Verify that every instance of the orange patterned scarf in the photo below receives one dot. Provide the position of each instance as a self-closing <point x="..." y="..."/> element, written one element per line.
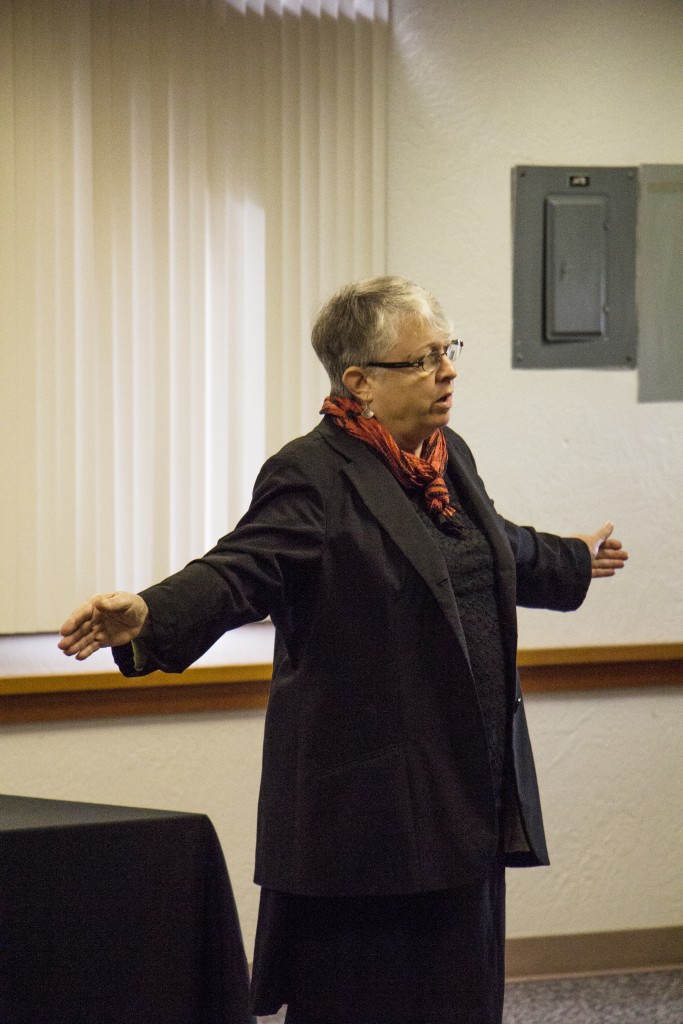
<point x="419" y="473"/>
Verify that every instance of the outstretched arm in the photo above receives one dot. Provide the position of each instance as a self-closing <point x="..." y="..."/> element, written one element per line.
<point x="106" y="620"/>
<point x="607" y="554"/>
<point x="258" y="569"/>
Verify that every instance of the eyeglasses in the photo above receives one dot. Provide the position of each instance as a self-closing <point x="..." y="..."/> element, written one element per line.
<point x="430" y="361"/>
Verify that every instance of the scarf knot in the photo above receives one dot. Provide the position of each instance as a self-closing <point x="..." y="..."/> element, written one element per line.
<point x="423" y="472"/>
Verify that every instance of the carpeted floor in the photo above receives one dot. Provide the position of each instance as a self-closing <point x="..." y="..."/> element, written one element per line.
<point x="652" y="997"/>
<point x="648" y="997"/>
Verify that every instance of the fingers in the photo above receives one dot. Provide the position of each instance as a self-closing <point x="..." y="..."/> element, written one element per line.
<point x="604" y="532"/>
<point x="113" y="602"/>
<point x="607" y="553"/>
<point x="77" y="619"/>
<point x="106" y="620"/>
<point x="89" y="648"/>
<point x="611" y="554"/>
<point x="598" y="540"/>
<point x="79" y="632"/>
<point x="81" y="642"/>
<point x="610" y="557"/>
<point x="615" y="561"/>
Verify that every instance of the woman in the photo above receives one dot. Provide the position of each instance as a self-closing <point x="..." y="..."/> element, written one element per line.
<point x="398" y="778"/>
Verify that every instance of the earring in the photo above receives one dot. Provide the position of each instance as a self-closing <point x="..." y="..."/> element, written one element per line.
<point x="367" y="412"/>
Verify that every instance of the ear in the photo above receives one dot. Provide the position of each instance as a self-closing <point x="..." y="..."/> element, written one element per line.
<point x="357" y="382"/>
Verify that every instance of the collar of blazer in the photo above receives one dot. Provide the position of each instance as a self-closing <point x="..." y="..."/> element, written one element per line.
<point x="387" y="502"/>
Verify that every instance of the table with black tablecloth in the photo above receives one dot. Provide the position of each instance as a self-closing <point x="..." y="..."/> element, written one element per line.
<point x="115" y="915"/>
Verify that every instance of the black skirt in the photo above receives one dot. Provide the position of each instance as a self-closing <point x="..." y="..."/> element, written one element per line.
<point x="426" y="958"/>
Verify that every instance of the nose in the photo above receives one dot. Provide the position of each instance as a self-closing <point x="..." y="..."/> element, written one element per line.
<point x="446" y="369"/>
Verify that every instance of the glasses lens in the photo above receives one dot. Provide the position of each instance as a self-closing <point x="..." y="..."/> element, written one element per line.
<point x="433" y="359"/>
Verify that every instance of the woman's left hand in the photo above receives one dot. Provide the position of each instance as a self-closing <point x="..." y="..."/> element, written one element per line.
<point x="607" y="554"/>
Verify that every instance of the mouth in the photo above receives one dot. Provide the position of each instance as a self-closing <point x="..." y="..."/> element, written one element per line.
<point x="445" y="400"/>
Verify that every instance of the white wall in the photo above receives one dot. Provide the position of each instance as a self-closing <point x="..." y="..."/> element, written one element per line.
<point x="477" y="87"/>
<point x="206" y="763"/>
<point x="609" y="764"/>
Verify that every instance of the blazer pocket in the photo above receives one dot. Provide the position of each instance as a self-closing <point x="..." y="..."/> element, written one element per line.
<point x="357" y="763"/>
<point x="357" y="825"/>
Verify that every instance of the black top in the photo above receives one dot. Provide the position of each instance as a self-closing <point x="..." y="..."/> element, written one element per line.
<point x="469" y="562"/>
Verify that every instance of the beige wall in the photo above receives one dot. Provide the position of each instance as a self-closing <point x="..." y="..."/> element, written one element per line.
<point x="204" y="763"/>
<point x="476" y="87"/>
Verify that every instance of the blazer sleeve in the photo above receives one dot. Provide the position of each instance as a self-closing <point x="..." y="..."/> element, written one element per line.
<point x="552" y="572"/>
<point x="252" y="572"/>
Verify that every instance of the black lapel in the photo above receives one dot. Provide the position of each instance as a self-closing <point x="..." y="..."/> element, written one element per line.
<point x="386" y="501"/>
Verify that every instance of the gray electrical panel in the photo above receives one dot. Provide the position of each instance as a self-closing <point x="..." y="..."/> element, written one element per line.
<point x="574" y="251"/>
<point x="659" y="283"/>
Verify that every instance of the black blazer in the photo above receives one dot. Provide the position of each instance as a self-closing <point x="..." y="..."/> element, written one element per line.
<point x="376" y="776"/>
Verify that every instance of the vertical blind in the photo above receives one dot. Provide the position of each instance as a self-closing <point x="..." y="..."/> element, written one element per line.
<point x="181" y="183"/>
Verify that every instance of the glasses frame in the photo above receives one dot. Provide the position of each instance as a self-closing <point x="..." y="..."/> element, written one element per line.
<point x="451" y="351"/>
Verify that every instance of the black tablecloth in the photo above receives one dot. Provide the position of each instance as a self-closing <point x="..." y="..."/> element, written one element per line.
<point x="115" y="915"/>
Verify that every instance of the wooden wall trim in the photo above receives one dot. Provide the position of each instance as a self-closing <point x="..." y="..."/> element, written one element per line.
<point x="36" y="695"/>
<point x="132" y="701"/>
<point x="593" y="953"/>
<point x="598" y="668"/>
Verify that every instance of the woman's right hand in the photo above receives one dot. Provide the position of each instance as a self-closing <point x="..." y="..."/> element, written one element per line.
<point x="106" y="620"/>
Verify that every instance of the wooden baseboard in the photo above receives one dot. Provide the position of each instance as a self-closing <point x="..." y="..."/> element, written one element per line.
<point x="548" y="956"/>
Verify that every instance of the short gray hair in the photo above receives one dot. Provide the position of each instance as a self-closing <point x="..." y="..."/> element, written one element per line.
<point x="360" y="323"/>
